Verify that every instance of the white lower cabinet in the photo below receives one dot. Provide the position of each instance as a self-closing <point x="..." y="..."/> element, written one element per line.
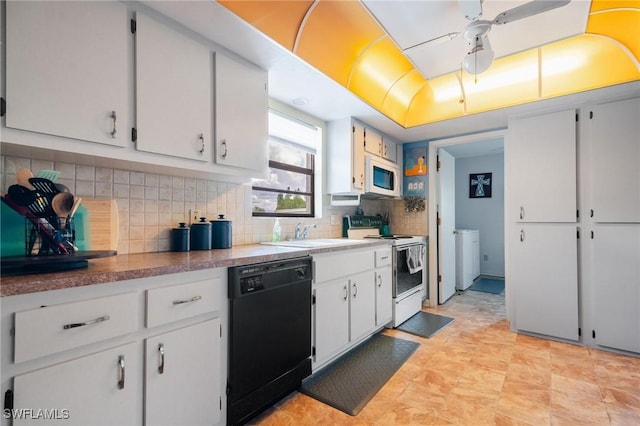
<point x="97" y="389"/>
<point x="383" y="280"/>
<point x="181" y="367"/>
<point x="347" y="296"/>
<point x="147" y="351"/>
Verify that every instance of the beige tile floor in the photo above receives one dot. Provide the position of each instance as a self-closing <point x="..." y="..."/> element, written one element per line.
<point x="477" y="372"/>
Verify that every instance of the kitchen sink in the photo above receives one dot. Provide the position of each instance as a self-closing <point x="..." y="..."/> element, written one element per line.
<point x="314" y="243"/>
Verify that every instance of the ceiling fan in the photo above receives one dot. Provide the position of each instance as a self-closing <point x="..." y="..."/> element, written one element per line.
<point x="480" y="55"/>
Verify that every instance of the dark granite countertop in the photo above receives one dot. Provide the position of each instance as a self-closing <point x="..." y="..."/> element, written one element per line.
<point x="132" y="266"/>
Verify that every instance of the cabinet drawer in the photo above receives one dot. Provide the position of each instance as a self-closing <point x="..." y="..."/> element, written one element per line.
<point x="50" y="329"/>
<point x="383" y="257"/>
<point x="331" y="266"/>
<point x="168" y="304"/>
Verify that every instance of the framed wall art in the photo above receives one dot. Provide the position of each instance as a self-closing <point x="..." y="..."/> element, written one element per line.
<point x="480" y="185"/>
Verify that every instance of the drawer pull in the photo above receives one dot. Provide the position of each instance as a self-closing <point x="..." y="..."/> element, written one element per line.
<point x="181" y="301"/>
<point x="384" y="257"/>
<point x="161" y="353"/>
<point x="82" y="324"/>
<point x="114" y="132"/>
<point x="121" y="372"/>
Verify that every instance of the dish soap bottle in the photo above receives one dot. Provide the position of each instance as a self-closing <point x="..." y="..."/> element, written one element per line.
<point x="276" y="231"/>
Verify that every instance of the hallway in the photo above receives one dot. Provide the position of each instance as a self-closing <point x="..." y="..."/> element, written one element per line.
<point x="476" y="372"/>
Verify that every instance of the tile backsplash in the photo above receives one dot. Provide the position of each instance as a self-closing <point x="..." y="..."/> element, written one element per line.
<point x="150" y="204"/>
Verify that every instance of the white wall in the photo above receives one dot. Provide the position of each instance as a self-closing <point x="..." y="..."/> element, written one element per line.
<point x="484" y="214"/>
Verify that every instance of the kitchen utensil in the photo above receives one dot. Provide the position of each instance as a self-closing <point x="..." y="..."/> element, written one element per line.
<point x="43" y="227"/>
<point x="201" y="235"/>
<point x="43" y="185"/>
<point x="61" y="187"/>
<point x="32" y="200"/>
<point x="220" y="233"/>
<point x="52" y="175"/>
<point x="23" y="176"/>
<point x="180" y="238"/>
<point x="62" y="203"/>
<point x="74" y="208"/>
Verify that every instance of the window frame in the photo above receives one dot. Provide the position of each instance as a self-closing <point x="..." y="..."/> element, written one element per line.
<point x="310" y="171"/>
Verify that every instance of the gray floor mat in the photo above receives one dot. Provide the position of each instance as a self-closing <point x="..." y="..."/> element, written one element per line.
<point x="424" y="324"/>
<point x="352" y="380"/>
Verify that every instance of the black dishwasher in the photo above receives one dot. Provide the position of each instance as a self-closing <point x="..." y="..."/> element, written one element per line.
<point x="269" y="334"/>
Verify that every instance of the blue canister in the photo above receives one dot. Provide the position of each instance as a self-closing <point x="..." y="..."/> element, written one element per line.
<point x="180" y="239"/>
<point x="221" y="233"/>
<point x="201" y="235"/>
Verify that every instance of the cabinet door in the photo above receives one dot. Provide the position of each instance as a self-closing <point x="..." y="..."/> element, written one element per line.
<point x="183" y="376"/>
<point x="363" y="305"/>
<point x="541" y="154"/>
<point x="358" y="157"/>
<point x="331" y="319"/>
<point x="173" y="92"/>
<point x="544" y="275"/>
<point x="241" y="115"/>
<point x="475" y="254"/>
<point x="98" y="389"/>
<point x="616" y="280"/>
<point x="384" y="303"/>
<point x="67" y="69"/>
<point x="389" y="150"/>
<point x="615" y="161"/>
<point x="373" y="142"/>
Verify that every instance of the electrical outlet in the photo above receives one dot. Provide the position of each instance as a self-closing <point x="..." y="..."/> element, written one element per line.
<point x="485" y="257"/>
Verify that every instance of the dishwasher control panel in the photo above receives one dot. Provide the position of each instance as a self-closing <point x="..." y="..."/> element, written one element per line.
<point x="259" y="277"/>
<point x="249" y="284"/>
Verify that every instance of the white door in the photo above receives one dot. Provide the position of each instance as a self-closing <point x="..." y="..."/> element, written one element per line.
<point x="615" y="161"/>
<point x="97" y="389"/>
<point x="358" y="157"/>
<point x="542" y="153"/>
<point x="174" y="109"/>
<point x="331" y="319"/>
<point x="183" y="376"/>
<point x="363" y="305"/>
<point x="67" y="69"/>
<point x="447" y="215"/>
<point x="616" y="278"/>
<point x="545" y="278"/>
<point x="384" y="303"/>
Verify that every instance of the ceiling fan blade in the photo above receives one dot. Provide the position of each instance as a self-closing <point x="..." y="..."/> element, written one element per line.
<point x="471" y="9"/>
<point x="434" y="41"/>
<point x="528" y="9"/>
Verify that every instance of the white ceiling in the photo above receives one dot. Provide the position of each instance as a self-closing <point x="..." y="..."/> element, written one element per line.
<point x="290" y="77"/>
<point x="410" y="22"/>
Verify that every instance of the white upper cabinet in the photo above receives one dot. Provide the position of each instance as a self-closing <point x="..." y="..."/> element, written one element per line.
<point x="615" y="161"/>
<point x="541" y="153"/>
<point x="241" y="111"/>
<point x="173" y="92"/>
<point x="389" y="149"/>
<point x="67" y="69"/>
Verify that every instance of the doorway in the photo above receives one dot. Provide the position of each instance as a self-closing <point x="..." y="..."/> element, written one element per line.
<point x="441" y="217"/>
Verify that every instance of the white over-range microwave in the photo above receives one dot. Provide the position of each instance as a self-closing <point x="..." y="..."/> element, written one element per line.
<point x="382" y="177"/>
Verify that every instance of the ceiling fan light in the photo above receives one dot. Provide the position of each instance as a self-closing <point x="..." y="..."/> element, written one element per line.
<point x="479" y="59"/>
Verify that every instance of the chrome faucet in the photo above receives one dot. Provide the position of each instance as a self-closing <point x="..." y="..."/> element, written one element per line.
<point x="302" y="233"/>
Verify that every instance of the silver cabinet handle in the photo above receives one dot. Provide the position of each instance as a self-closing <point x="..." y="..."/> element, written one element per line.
<point x="224" y="144"/>
<point x="114" y="132"/>
<point x="121" y="372"/>
<point x="379" y="280"/>
<point x="521" y="212"/>
<point x="181" y="301"/>
<point x="201" y="137"/>
<point x="161" y="353"/>
<point x="522" y="235"/>
<point x="355" y="290"/>
<point x="82" y="324"/>
<point x="346" y="293"/>
<point x="384" y="257"/>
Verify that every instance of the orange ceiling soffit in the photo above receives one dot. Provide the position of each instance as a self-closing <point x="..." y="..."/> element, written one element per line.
<point x="280" y="20"/>
<point x="343" y="41"/>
